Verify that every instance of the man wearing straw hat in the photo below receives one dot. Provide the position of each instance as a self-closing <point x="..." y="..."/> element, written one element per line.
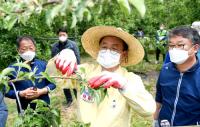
<point x="112" y="48"/>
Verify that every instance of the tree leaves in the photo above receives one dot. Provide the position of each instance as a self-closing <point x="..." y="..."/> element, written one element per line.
<point x="125" y="6"/>
<point x="52" y="13"/>
<point x="11" y="12"/>
<point x="98" y="94"/>
<point x="7" y="71"/>
<point x="24" y="65"/>
<point x="45" y="75"/>
<point x="43" y="116"/>
<point x="74" y="20"/>
<point x="140" y="6"/>
<point x="10" y="21"/>
<point x="4" y="79"/>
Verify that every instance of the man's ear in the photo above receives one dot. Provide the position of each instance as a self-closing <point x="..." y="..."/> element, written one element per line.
<point x="196" y="47"/>
<point x="124" y="55"/>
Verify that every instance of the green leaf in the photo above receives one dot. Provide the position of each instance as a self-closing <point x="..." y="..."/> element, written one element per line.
<point x="82" y="70"/>
<point x="124" y="4"/>
<point x="5" y="83"/>
<point x="52" y="13"/>
<point x="100" y="94"/>
<point x="22" y="65"/>
<point x="65" y="5"/>
<point x="47" y="77"/>
<point x="74" y="21"/>
<point x="82" y="88"/>
<point x="22" y="75"/>
<point x="35" y="70"/>
<point x="7" y="71"/>
<point x="88" y="14"/>
<point x="55" y="112"/>
<point x="31" y="75"/>
<point x="10" y="21"/>
<point x="139" y="5"/>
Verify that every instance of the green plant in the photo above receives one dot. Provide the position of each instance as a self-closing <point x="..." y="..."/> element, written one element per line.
<point x="19" y="11"/>
<point x="96" y="94"/>
<point x="42" y="116"/>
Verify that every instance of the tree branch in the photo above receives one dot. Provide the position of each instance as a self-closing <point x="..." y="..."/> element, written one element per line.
<point x="43" y="5"/>
<point x="58" y="77"/>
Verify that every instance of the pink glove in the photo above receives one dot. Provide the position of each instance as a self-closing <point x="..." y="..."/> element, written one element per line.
<point x="66" y="62"/>
<point x="107" y="80"/>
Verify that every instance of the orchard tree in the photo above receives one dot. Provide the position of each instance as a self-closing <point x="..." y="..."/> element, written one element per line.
<point x="19" y="11"/>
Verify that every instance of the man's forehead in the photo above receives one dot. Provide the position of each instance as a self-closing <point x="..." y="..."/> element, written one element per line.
<point x="26" y="42"/>
<point x="111" y="39"/>
<point x="62" y="33"/>
<point x="178" y="39"/>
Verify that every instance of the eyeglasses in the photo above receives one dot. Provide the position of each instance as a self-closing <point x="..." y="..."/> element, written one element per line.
<point x="114" y="52"/>
<point x="178" y="46"/>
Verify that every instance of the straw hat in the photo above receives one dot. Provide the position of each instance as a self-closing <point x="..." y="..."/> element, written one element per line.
<point x="90" y="41"/>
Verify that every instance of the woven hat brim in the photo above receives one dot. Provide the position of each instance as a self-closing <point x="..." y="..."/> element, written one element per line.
<point x="90" y="42"/>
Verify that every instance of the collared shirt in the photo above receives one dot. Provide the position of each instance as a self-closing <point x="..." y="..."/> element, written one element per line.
<point x="24" y="84"/>
<point x="115" y="109"/>
<point x="59" y="46"/>
<point x="179" y="94"/>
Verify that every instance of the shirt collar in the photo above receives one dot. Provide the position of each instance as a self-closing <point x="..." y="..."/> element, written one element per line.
<point x="62" y="43"/>
<point x="193" y="68"/>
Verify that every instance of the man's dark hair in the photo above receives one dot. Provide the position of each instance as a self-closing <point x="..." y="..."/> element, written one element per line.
<point x="63" y="29"/>
<point x="21" y="38"/>
<point x="186" y="32"/>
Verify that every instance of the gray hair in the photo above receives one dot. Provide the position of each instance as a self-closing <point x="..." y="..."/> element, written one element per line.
<point x="186" y="32"/>
<point x="21" y="38"/>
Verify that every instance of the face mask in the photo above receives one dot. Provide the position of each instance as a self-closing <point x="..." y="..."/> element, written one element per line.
<point x="107" y="59"/>
<point x="62" y="38"/>
<point x="28" y="56"/>
<point x="178" y="56"/>
<point x="161" y="28"/>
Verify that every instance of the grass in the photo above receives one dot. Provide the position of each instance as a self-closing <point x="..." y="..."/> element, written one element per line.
<point x="148" y="72"/>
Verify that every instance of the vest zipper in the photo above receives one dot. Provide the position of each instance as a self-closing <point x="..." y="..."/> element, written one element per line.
<point x="177" y="97"/>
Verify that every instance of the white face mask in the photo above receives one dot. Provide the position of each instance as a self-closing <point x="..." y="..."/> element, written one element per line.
<point x="178" y="56"/>
<point x="28" y="56"/>
<point x="108" y="58"/>
<point x="62" y="38"/>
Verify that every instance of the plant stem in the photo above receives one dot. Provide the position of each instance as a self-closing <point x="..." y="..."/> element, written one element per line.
<point x="42" y="77"/>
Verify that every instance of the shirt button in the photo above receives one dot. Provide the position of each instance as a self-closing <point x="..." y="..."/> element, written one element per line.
<point x="114" y="104"/>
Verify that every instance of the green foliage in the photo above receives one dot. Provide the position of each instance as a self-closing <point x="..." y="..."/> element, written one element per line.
<point x="35" y="16"/>
<point x="75" y="123"/>
<point x="42" y="116"/>
<point x="4" y="79"/>
<point x="20" y="11"/>
<point x="98" y="94"/>
<point x="147" y="44"/>
<point x="45" y="75"/>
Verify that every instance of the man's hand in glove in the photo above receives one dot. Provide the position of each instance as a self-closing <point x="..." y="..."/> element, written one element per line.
<point x="107" y="80"/>
<point x="66" y="62"/>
